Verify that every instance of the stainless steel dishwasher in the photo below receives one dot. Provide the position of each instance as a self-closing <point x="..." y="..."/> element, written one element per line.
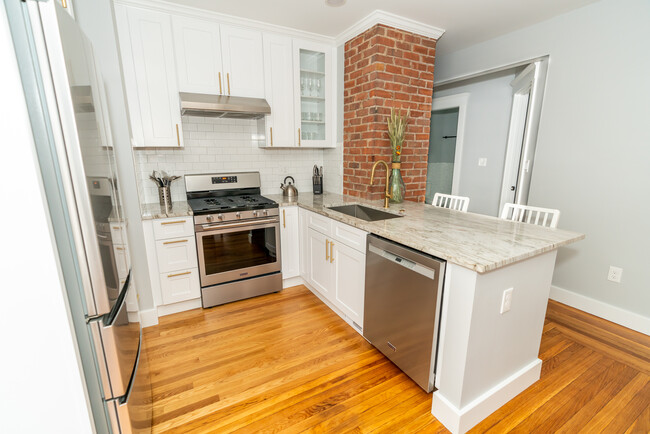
<point x="402" y="306"/>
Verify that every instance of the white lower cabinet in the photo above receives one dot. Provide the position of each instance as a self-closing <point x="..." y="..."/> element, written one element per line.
<point x="290" y="241"/>
<point x="320" y="269"/>
<point x="349" y="281"/>
<point x="180" y="286"/>
<point x="173" y="264"/>
<point x="335" y="266"/>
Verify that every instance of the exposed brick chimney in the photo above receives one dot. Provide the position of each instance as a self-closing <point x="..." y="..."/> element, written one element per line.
<point x="386" y="67"/>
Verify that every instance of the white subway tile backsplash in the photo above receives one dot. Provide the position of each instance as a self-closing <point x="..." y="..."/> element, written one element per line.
<point x="222" y="145"/>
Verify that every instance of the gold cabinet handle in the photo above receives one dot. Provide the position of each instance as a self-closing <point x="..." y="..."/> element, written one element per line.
<point x="298" y="136"/>
<point x="178" y="136"/>
<point x="119" y="248"/>
<point x="284" y="219"/>
<point x="117" y="228"/>
<point x="327" y="242"/>
<point x="179" y="274"/>
<point x="220" y="90"/>
<point x="175" y="242"/>
<point x="64" y="3"/>
<point x="331" y="252"/>
<point x="228" y="79"/>
<point x="173" y="223"/>
<point x="271" y="136"/>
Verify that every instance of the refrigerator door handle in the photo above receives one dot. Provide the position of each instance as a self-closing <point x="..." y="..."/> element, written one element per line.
<point x="109" y="318"/>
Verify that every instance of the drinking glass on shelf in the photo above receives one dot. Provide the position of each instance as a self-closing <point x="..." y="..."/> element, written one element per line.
<point x="302" y="87"/>
<point x="310" y="84"/>
<point x="318" y="87"/>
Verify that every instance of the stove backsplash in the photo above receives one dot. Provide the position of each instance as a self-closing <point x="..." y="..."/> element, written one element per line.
<point x="224" y="145"/>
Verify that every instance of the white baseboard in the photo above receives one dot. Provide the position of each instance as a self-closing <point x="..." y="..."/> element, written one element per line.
<point x="292" y="281"/>
<point x="606" y="311"/>
<point x="168" y="309"/>
<point x="148" y="317"/>
<point x="459" y="421"/>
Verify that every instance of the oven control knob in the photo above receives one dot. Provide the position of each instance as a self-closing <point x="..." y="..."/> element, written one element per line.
<point x="209" y="218"/>
<point x="238" y="215"/>
<point x="254" y="213"/>
<point x="266" y="212"/>
<point x="220" y="216"/>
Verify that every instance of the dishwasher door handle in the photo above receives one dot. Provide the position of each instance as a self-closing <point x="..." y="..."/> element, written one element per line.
<point x="406" y="263"/>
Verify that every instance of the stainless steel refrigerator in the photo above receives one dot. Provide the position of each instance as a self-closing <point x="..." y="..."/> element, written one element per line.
<point x="69" y="117"/>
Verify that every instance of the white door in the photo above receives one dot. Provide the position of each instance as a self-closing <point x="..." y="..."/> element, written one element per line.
<point x="312" y="75"/>
<point x="304" y="244"/>
<point x="146" y="45"/>
<point x="349" y="281"/>
<point x="197" y="45"/>
<point x="320" y="270"/>
<point x="243" y="61"/>
<point x="278" y="71"/>
<point x="289" y="242"/>
<point x="521" y="88"/>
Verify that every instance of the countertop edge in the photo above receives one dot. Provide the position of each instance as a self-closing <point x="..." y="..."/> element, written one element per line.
<point x="480" y="268"/>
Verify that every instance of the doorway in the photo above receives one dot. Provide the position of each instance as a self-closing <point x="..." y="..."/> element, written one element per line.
<point x="445" y="145"/>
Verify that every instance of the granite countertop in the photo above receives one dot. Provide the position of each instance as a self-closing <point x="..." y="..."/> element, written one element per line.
<point x="152" y="211"/>
<point x="478" y="242"/>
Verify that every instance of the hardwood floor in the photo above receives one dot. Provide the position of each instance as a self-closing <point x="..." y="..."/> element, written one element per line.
<point x="285" y="362"/>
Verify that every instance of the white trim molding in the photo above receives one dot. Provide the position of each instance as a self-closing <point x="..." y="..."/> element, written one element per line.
<point x="461" y="420"/>
<point x="603" y="310"/>
<point x="449" y="102"/>
<point x="204" y="14"/>
<point x="392" y="20"/>
<point x="148" y="317"/>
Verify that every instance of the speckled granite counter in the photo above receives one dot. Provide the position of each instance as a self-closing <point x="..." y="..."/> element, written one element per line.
<point x="152" y="211"/>
<point x="478" y="242"/>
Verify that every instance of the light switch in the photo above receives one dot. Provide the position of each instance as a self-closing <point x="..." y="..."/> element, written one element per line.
<point x="506" y="300"/>
<point x="482" y="162"/>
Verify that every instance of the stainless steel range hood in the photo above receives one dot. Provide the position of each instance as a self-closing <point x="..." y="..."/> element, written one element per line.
<point x="221" y="106"/>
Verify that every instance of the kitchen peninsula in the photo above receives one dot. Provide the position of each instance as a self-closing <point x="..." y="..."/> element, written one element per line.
<point x="485" y="357"/>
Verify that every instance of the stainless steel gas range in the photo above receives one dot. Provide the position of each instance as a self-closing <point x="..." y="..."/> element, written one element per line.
<point x="237" y="236"/>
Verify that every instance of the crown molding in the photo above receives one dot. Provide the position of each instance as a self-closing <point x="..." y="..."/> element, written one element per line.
<point x="374" y="18"/>
<point x="192" y="12"/>
<point x="388" y="19"/>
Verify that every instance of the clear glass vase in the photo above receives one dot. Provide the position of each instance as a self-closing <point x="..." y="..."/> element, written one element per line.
<point x="396" y="187"/>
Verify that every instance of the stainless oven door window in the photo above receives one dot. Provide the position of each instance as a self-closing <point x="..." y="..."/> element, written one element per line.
<point x="238" y="253"/>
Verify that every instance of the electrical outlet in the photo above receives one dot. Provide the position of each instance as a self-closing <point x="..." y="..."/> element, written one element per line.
<point x="506" y="300"/>
<point x="482" y="162"/>
<point x="614" y="274"/>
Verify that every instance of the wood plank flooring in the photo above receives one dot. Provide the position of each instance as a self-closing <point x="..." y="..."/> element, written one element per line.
<point x="285" y="363"/>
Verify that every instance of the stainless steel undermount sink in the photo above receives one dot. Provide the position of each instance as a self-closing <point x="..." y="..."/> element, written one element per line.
<point x="363" y="212"/>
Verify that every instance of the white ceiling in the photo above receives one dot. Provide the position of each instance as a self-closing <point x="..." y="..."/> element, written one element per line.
<point x="466" y="21"/>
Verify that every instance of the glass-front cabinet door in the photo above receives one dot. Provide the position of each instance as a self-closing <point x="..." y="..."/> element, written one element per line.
<point x="313" y="75"/>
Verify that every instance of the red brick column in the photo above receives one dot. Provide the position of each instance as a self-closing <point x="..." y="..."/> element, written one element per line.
<point x="386" y="67"/>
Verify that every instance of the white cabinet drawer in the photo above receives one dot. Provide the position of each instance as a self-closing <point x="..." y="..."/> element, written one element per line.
<point x="121" y="261"/>
<point x="180" y="286"/>
<point x="173" y="228"/>
<point x="176" y="254"/>
<point x="320" y="223"/>
<point x="350" y="236"/>
<point x="117" y="233"/>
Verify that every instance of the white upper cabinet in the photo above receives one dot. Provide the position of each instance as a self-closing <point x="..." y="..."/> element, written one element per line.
<point x="146" y="45"/>
<point x="278" y="72"/>
<point x="313" y="82"/>
<point x="197" y="44"/>
<point x="243" y="61"/>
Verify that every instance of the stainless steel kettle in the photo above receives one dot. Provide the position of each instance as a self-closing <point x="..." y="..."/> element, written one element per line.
<point x="289" y="190"/>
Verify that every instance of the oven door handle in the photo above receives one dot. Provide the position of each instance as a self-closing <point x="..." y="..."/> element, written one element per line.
<point x="239" y="224"/>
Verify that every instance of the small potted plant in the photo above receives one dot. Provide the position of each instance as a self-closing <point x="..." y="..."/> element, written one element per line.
<point x="396" y="131"/>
